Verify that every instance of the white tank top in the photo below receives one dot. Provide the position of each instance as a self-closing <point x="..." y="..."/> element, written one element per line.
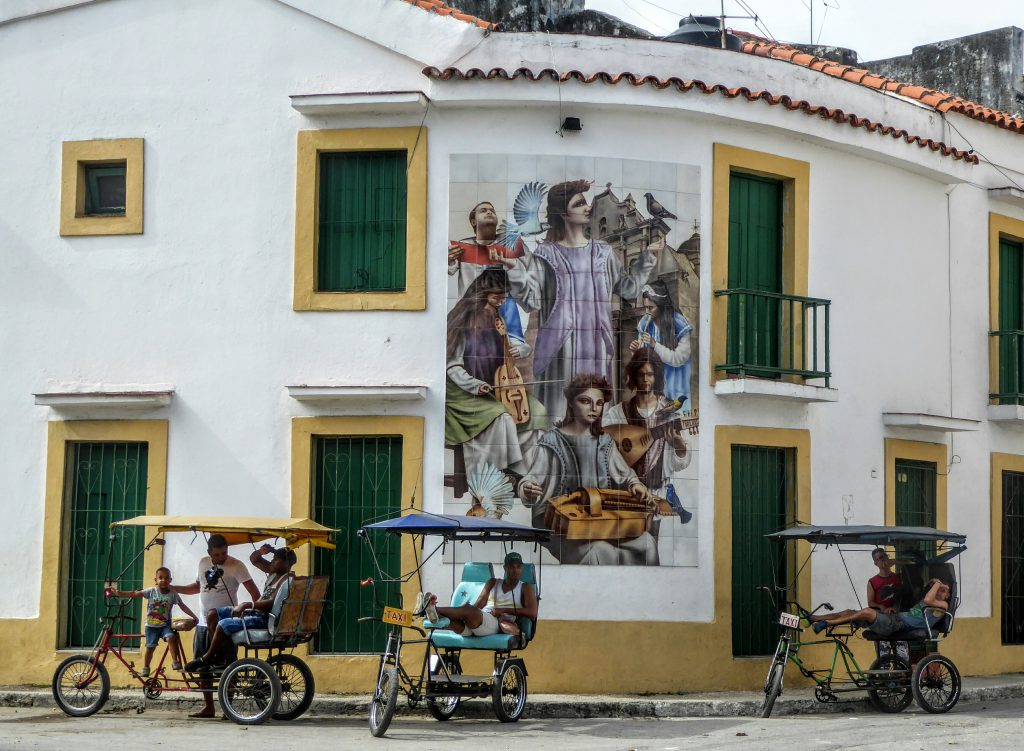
<point x="510" y="599"/>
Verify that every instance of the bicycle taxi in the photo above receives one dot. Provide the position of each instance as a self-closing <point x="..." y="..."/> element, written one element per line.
<point x="890" y="682"/>
<point x="267" y="681"/>
<point x="439" y="680"/>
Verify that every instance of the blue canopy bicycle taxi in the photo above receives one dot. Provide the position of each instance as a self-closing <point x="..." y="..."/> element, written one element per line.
<point x="890" y="682"/>
<point x="267" y="681"/>
<point x="439" y="680"/>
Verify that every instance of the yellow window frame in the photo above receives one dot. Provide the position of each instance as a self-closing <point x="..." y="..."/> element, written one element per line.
<point x="919" y="451"/>
<point x="76" y="156"/>
<point x="795" y="177"/>
<point x="311" y="143"/>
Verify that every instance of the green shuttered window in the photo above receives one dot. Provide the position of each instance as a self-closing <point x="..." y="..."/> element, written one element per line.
<point x="755" y="264"/>
<point x="356" y="480"/>
<point x="762" y="492"/>
<point x="105" y="482"/>
<point x="1011" y="322"/>
<point x="362" y="222"/>
<point x="915" y="501"/>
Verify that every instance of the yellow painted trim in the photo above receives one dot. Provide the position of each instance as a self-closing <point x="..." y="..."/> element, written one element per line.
<point x="727" y="436"/>
<point x="921" y="452"/>
<point x="76" y="156"/>
<point x="59" y="434"/>
<point x="307" y="189"/>
<point x="353" y="672"/>
<point x="795" y="177"/>
<point x="1013" y="229"/>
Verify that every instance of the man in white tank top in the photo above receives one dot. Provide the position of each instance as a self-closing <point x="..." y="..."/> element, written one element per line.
<point x="505" y="599"/>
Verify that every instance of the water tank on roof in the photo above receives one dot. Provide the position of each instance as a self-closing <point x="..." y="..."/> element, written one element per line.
<point x="704" y="31"/>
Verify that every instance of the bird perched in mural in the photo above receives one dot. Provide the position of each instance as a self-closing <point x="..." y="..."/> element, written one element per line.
<point x="656" y="209"/>
<point x="491" y="491"/>
<point x="526" y="210"/>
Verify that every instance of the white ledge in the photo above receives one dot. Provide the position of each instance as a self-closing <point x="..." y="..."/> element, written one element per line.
<point x="770" y="389"/>
<point x="104" y="400"/>
<point x="1012" y="414"/>
<point x="1010" y="195"/>
<point x="923" y="421"/>
<point x="384" y="393"/>
<point x="361" y="102"/>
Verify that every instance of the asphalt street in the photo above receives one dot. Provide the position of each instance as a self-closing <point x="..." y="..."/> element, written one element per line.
<point x="991" y="725"/>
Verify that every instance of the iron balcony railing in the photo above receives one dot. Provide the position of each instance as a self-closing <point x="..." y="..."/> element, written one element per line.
<point x="771" y="334"/>
<point x="1011" y="366"/>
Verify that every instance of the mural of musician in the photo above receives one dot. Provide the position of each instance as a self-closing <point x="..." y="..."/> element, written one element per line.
<point x="478" y="351"/>
<point x="571" y="397"/>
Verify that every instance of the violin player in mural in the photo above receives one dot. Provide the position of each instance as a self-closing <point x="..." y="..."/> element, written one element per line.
<point x="577" y="454"/>
<point x="666" y="332"/>
<point x="480" y="356"/>
<point x="569" y="279"/>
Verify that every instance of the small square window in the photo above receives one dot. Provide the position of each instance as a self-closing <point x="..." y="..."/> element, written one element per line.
<point x="105" y="189"/>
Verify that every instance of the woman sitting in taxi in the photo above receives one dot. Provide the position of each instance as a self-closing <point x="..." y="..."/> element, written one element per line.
<point x="936" y="596"/>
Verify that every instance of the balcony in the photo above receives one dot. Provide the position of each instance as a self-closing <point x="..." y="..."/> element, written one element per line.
<point x="1008" y="400"/>
<point x="775" y="344"/>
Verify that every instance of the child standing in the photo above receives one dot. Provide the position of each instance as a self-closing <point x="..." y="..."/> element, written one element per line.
<point x="158" y="617"/>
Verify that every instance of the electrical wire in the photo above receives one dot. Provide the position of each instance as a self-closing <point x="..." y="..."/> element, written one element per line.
<point x="653" y="23"/>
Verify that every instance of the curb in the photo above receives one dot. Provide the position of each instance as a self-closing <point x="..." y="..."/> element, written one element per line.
<point x="552" y="706"/>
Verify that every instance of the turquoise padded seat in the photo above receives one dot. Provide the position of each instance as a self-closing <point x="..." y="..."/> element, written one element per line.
<point x="468" y="591"/>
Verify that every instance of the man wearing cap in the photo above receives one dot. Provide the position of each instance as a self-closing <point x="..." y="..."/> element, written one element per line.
<point x="217" y="586"/>
<point x="501" y="600"/>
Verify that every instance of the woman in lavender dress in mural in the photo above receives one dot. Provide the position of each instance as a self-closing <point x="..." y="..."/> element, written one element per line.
<point x="570" y="281"/>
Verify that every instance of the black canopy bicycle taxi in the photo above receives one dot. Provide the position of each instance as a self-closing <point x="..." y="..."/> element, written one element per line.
<point x="890" y="682"/>
<point x="267" y="681"/>
<point x="439" y="680"/>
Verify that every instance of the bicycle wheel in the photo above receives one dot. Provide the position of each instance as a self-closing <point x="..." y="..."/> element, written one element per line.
<point x="80" y="686"/>
<point x="936" y="684"/>
<point x="443" y="707"/>
<point x="772" y="688"/>
<point x="385" y="699"/>
<point x="890" y="693"/>
<point x="509" y="693"/>
<point x="249" y="691"/>
<point x="297" y="686"/>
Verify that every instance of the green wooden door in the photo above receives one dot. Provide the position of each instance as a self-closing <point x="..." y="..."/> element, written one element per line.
<point x="356" y="480"/>
<point x="761" y="492"/>
<point x="105" y="482"/>
<point x="362" y="222"/>
<point x="1012" y="559"/>
<point x="915" y="501"/>
<point x="755" y="263"/>
<point x="1011" y="318"/>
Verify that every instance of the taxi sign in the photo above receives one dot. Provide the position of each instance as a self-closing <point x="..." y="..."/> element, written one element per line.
<point x="789" y="621"/>
<point x="397" y="617"/>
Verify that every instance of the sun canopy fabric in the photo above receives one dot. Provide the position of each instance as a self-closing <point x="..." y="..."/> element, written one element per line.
<point x="866" y="535"/>
<point x="238" y="530"/>
<point x="461" y="528"/>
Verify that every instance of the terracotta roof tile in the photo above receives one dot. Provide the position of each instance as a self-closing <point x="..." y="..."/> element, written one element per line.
<point x="634" y="79"/>
<point x="940" y="101"/>
<point x="443" y="9"/>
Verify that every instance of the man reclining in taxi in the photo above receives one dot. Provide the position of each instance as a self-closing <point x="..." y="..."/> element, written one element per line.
<point x="502" y="601"/>
<point x="884" y="624"/>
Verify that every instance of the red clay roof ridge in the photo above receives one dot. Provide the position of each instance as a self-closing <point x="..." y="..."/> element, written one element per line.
<point x="940" y="101"/>
<point x="443" y="9"/>
<point x="636" y="79"/>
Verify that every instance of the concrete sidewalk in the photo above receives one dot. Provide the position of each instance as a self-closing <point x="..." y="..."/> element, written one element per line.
<point x="559" y="706"/>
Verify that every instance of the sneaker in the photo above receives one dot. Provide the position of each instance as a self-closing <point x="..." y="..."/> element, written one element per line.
<point x="194" y="666"/>
<point x="175" y="666"/>
<point x="819" y="626"/>
<point x="144" y="672"/>
<point x="430" y="608"/>
<point x="417" y="610"/>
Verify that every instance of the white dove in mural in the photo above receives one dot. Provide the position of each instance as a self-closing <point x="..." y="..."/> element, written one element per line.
<point x="491" y="491"/>
<point x="526" y="211"/>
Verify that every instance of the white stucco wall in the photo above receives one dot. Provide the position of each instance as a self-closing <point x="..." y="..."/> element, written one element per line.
<point x="203" y="300"/>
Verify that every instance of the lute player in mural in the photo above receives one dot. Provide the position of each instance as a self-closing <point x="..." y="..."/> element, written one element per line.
<point x="569" y="280"/>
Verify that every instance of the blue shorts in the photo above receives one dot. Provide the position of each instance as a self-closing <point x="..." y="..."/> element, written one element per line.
<point x="234" y="625"/>
<point x="155" y="633"/>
